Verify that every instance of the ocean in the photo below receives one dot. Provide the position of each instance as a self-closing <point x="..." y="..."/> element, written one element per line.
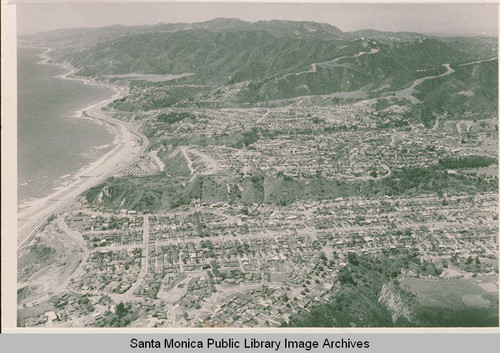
<point x="52" y="144"/>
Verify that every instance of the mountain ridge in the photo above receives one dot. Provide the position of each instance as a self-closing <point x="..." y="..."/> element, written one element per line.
<point x="250" y="63"/>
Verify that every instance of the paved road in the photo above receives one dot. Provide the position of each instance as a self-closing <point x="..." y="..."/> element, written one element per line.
<point x="144" y="261"/>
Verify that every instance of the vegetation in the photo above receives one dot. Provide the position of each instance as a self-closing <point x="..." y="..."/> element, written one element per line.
<point x="122" y="316"/>
<point x="262" y="53"/>
<point x="174" y="117"/>
<point x="355" y="297"/>
<point x="158" y="192"/>
<point x="467" y="162"/>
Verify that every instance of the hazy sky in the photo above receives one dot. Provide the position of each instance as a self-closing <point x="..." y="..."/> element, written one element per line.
<point x="433" y="18"/>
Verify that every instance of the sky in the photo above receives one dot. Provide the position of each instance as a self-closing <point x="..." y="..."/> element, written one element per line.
<point x="422" y="18"/>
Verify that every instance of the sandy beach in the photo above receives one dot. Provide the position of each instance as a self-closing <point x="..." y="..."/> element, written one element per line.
<point x="129" y="144"/>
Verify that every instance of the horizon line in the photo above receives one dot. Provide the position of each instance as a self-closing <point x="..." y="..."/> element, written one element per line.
<point x="430" y="34"/>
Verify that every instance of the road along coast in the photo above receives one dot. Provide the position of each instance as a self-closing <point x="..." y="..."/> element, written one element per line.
<point x="129" y="144"/>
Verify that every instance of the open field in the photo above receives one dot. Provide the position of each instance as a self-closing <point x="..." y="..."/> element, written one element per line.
<point x="457" y="301"/>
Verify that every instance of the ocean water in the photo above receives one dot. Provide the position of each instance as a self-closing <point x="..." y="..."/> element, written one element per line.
<point x="52" y="144"/>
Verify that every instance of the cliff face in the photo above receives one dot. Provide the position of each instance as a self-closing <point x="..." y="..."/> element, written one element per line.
<point x="398" y="308"/>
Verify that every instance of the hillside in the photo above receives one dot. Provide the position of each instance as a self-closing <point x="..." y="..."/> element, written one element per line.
<point x="369" y="291"/>
<point x="230" y="62"/>
<point x="227" y="62"/>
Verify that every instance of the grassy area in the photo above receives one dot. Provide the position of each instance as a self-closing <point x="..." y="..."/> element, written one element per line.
<point x="456" y="302"/>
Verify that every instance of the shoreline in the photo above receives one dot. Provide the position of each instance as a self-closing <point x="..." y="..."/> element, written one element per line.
<point x="129" y="144"/>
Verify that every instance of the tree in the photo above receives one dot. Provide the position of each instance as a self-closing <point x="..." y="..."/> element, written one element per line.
<point x="352" y="258"/>
<point x="345" y="277"/>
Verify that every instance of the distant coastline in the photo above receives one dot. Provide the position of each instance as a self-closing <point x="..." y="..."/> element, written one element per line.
<point x="128" y="145"/>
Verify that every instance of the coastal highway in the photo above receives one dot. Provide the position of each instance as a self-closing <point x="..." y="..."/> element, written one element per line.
<point x="131" y="146"/>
